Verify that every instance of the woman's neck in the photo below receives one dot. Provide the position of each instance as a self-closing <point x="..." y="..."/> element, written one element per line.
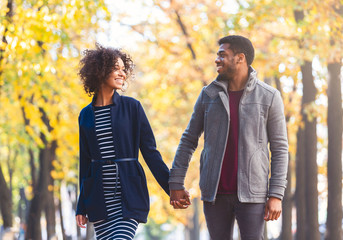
<point x="104" y="98"/>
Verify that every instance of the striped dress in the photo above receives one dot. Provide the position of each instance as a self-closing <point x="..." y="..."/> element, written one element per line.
<point x="114" y="227"/>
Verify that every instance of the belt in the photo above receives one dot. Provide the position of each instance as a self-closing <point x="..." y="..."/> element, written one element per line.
<point x="117" y="172"/>
<point x="115" y="160"/>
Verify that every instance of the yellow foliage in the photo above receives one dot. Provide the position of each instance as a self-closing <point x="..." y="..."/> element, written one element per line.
<point x="41" y="95"/>
<point x="44" y="41"/>
<point x="311" y="111"/>
<point x="50" y="188"/>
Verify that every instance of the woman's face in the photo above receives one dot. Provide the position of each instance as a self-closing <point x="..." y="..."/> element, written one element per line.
<point x="117" y="77"/>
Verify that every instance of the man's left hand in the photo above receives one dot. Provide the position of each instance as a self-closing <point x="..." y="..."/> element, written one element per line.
<point x="273" y="209"/>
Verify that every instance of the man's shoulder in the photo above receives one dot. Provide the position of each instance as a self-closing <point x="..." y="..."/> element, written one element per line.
<point x="213" y="88"/>
<point x="263" y="93"/>
<point x="266" y="87"/>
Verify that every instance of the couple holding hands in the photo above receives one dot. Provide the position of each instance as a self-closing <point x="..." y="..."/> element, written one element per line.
<point x="242" y="119"/>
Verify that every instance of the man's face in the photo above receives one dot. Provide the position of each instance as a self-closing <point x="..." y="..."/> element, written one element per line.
<point x="226" y="61"/>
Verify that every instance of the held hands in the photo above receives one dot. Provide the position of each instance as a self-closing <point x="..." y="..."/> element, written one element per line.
<point x="179" y="199"/>
<point x="273" y="209"/>
<point x="81" y="220"/>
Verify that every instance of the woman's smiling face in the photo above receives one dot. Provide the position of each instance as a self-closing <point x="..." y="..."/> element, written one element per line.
<point x="117" y="77"/>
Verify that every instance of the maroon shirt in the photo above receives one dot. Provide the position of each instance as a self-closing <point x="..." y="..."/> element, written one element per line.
<point x="228" y="176"/>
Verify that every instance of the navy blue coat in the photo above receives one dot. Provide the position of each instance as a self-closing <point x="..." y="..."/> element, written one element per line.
<point x="131" y="132"/>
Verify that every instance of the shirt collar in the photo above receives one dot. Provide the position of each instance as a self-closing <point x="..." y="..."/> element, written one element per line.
<point x="115" y="98"/>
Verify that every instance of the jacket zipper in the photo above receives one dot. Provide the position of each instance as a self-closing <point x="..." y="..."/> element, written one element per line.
<point x="239" y="143"/>
<point x="228" y="131"/>
<point x="221" y="162"/>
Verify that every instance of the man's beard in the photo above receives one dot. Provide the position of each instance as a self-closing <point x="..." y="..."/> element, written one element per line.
<point x="223" y="77"/>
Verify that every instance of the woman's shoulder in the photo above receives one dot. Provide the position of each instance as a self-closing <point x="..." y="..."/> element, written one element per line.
<point x="129" y="100"/>
<point x="86" y="110"/>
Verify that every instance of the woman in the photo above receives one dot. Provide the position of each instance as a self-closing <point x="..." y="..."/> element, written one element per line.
<point x="113" y="188"/>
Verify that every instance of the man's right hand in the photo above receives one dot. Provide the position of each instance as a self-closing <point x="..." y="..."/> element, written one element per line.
<point x="179" y="199"/>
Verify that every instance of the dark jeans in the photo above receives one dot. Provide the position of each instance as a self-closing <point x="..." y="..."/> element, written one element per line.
<point x="220" y="218"/>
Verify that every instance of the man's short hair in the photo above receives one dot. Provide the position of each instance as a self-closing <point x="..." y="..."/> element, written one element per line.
<point x="240" y="44"/>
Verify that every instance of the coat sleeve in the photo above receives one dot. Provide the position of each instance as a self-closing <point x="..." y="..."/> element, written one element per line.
<point x="277" y="135"/>
<point x="187" y="146"/>
<point x="83" y="170"/>
<point x="151" y="155"/>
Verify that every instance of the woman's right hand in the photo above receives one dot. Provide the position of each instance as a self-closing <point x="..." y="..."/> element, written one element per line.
<point x="81" y="220"/>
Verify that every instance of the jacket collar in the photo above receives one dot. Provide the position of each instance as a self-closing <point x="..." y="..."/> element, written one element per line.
<point x="115" y="98"/>
<point x="218" y="85"/>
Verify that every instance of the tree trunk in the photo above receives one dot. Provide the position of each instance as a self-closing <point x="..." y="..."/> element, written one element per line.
<point x="50" y="208"/>
<point x="5" y="192"/>
<point x="309" y="146"/>
<point x="40" y="195"/>
<point x="287" y="203"/>
<point x="10" y="166"/>
<point x="5" y="202"/>
<point x="334" y="113"/>
<point x="32" y="168"/>
<point x="8" y="17"/>
<point x="38" y="203"/>
<point x="300" y="186"/>
<point x="61" y="216"/>
<point x="22" y="206"/>
<point x="310" y="137"/>
<point x="194" y="231"/>
<point x="50" y="215"/>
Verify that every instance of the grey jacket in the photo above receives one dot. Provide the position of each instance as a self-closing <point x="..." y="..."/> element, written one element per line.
<point x="261" y="122"/>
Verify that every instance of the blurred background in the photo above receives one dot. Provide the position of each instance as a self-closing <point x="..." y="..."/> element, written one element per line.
<point x="298" y="46"/>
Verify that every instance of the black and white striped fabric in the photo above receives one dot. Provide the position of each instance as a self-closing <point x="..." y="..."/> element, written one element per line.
<point x="104" y="131"/>
<point x="114" y="227"/>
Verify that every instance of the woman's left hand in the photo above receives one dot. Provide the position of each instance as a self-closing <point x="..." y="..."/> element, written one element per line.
<point x="81" y="220"/>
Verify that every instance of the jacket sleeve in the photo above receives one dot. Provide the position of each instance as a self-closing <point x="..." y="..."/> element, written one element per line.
<point x="151" y="155"/>
<point x="83" y="170"/>
<point x="277" y="135"/>
<point x="187" y="146"/>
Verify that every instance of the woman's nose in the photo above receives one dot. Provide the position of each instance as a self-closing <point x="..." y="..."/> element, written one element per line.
<point x="122" y="73"/>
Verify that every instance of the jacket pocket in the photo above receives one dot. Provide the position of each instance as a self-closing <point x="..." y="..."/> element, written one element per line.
<point x="136" y="193"/>
<point x="258" y="173"/>
<point x="87" y="184"/>
<point x="203" y="171"/>
<point x="261" y="128"/>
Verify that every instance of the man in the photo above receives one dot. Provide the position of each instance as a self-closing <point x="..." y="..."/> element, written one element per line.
<point x="239" y="116"/>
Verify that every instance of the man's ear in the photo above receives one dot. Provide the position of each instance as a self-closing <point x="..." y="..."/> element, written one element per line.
<point x="241" y="57"/>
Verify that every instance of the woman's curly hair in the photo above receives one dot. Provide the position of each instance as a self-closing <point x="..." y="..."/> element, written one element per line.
<point x="97" y="64"/>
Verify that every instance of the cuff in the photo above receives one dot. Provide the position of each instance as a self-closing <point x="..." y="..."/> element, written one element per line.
<point x="176" y="186"/>
<point x="177" y="175"/>
<point x="277" y="189"/>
